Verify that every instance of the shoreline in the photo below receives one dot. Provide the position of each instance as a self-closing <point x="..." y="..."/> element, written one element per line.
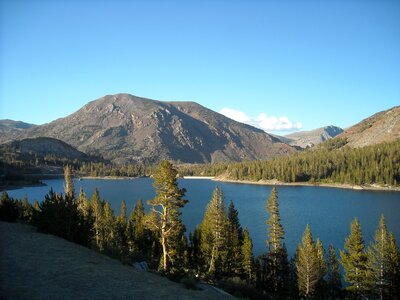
<point x="20" y="186"/>
<point x="326" y="185"/>
<point x="109" y="177"/>
<point x="199" y="177"/>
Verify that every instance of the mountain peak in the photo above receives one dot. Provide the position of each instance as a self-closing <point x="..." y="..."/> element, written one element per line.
<point x="126" y="128"/>
<point x="305" y="139"/>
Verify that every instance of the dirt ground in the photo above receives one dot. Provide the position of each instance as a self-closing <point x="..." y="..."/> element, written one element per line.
<point x="40" y="266"/>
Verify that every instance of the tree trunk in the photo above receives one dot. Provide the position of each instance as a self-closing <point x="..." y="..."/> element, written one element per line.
<point x="164" y="247"/>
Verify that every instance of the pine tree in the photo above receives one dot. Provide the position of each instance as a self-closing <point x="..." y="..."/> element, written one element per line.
<point x="379" y="260"/>
<point x="307" y="265"/>
<point x="83" y="203"/>
<point x="321" y="285"/>
<point x="120" y="230"/>
<point x="8" y="208"/>
<point x="26" y="213"/>
<point x="247" y="254"/>
<point x="136" y="232"/>
<point x="195" y="254"/>
<point x="234" y="241"/>
<point x="214" y="233"/>
<point x="167" y="204"/>
<point x="394" y="268"/>
<point x="69" y="182"/>
<point x="333" y="278"/>
<point x="275" y="228"/>
<point x="96" y="207"/>
<point x="122" y="215"/>
<point x="355" y="262"/>
<point x="107" y="229"/>
<point x="277" y="265"/>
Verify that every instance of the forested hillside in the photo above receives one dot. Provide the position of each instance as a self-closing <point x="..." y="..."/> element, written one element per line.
<point x="330" y="163"/>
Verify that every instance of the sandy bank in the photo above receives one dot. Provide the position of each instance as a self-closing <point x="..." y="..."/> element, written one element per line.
<point x="330" y="185"/>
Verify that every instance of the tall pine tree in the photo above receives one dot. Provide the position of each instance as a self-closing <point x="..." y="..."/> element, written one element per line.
<point x="69" y="182"/>
<point x="96" y="207"/>
<point x="355" y="262"/>
<point x="333" y="276"/>
<point x="234" y="242"/>
<point x="394" y="268"/>
<point x="378" y="259"/>
<point x="247" y="255"/>
<point x="120" y="231"/>
<point x="307" y="266"/>
<point x="213" y="242"/>
<point x="137" y="234"/>
<point x="166" y="204"/>
<point x="277" y="272"/>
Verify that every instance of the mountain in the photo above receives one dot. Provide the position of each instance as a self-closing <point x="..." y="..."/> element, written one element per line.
<point x="126" y="128"/>
<point x="12" y="128"/>
<point x="305" y="139"/>
<point x="41" y="147"/>
<point x="380" y="127"/>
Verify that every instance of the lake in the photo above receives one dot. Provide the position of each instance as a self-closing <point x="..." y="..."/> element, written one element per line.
<point x="328" y="211"/>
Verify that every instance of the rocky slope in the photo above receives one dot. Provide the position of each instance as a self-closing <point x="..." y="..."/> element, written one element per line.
<point x="305" y="139"/>
<point x="125" y="128"/>
<point x="380" y="127"/>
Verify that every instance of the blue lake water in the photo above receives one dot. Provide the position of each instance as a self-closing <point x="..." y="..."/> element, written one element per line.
<point x="328" y="211"/>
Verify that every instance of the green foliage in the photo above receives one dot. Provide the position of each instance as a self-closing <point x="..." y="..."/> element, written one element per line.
<point x="69" y="182"/>
<point x="393" y="275"/>
<point x="333" y="276"/>
<point x="276" y="262"/>
<point x="214" y="229"/>
<point x="107" y="230"/>
<point x="194" y="253"/>
<point x="138" y="236"/>
<point x="96" y="210"/>
<point x="166" y="217"/>
<point x="378" y="259"/>
<point x="59" y="215"/>
<point x="247" y="256"/>
<point x="333" y="144"/>
<point x="384" y="260"/>
<point x="308" y="266"/>
<point x="377" y="164"/>
<point x="234" y="242"/>
<point x="101" y="169"/>
<point x="275" y="228"/>
<point x="83" y="204"/>
<point x="355" y="262"/>
<point x="8" y="208"/>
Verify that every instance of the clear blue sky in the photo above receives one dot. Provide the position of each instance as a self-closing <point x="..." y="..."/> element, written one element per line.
<point x="315" y="62"/>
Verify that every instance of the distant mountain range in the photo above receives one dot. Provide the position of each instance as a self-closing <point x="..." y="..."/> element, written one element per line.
<point x="126" y="128"/>
<point x="11" y="128"/>
<point x="307" y="139"/>
<point x="129" y="129"/>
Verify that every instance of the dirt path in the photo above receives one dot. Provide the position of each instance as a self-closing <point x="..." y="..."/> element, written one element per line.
<point x="40" y="266"/>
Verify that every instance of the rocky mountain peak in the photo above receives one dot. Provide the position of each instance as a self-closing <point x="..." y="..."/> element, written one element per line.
<point x="126" y="128"/>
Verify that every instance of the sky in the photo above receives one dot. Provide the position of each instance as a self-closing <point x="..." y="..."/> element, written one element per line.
<point x="282" y="66"/>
